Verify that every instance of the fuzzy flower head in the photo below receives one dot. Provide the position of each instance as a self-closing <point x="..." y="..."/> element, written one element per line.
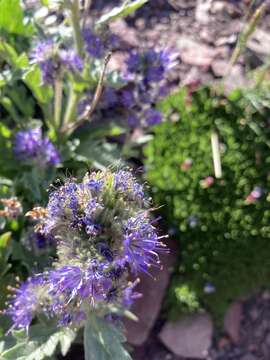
<point x="152" y="64"/>
<point x="93" y="44"/>
<point x="25" y="302"/>
<point x="31" y="147"/>
<point x="44" y="56"/>
<point x="52" y="60"/>
<point x="102" y="231"/>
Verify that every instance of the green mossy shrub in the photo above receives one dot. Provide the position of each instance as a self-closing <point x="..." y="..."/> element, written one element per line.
<point x="223" y="231"/>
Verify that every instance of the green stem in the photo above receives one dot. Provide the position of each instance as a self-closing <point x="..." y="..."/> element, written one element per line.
<point x="75" y="21"/>
<point x="245" y="35"/>
<point x="58" y="92"/>
<point x="73" y="96"/>
<point x="71" y="107"/>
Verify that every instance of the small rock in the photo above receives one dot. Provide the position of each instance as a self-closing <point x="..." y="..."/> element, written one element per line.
<point x="232" y="321"/>
<point x="189" y="337"/>
<point x="259" y="42"/>
<point x="195" y="53"/>
<point x="235" y="79"/>
<point x="202" y="11"/>
<point x="223" y="342"/>
<point x="267" y="339"/>
<point x="252" y="348"/>
<point x="126" y="34"/>
<point x="266" y="295"/>
<point x="254" y="313"/>
<point x="117" y="61"/>
<point x="248" y="357"/>
<point x="219" y="67"/>
<point x="226" y="40"/>
<point x="218" y="6"/>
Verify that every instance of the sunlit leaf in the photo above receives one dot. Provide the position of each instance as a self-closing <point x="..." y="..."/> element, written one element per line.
<point x="126" y="9"/>
<point x="12" y="18"/>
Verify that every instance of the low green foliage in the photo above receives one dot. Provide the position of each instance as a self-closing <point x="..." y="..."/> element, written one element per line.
<point x="223" y="234"/>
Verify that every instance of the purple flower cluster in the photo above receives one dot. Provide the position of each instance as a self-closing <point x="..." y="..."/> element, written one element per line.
<point x="93" y="44"/>
<point x="52" y="60"/>
<point x="145" y="85"/>
<point x="103" y="231"/>
<point x="152" y="65"/>
<point x="31" y="147"/>
<point x="25" y="303"/>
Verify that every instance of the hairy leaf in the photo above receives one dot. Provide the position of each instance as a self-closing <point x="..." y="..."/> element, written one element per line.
<point x="103" y="341"/>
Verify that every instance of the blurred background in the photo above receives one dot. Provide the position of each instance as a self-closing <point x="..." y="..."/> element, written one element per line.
<point x="185" y="103"/>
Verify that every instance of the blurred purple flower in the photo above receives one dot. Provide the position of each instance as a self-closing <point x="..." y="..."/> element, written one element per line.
<point x="152" y="117"/>
<point x="25" y="302"/>
<point x="71" y="60"/>
<point x="30" y="146"/>
<point x="93" y="44"/>
<point x="43" y="55"/>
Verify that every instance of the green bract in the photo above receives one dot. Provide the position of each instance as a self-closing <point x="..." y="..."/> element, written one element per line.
<point x="223" y="230"/>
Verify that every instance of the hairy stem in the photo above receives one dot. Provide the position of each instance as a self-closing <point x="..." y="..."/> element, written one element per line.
<point x="75" y="21"/>
<point x="70" y="127"/>
<point x="58" y="93"/>
<point x="245" y="35"/>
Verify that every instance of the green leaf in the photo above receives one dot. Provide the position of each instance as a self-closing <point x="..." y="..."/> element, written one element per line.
<point x="115" y="80"/>
<point x="121" y="11"/>
<point x="103" y="341"/>
<point x="32" y="78"/>
<point x="100" y="154"/>
<point x="12" y="18"/>
<point x="4" y="132"/>
<point x="40" y="344"/>
<point x="4" y="239"/>
<point x="8" y="52"/>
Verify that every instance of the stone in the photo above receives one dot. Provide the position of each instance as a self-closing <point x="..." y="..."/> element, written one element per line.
<point x="235" y="79"/>
<point x="232" y="321"/>
<point x="195" y="53"/>
<point x="223" y="342"/>
<point x="259" y="42"/>
<point x="153" y="289"/>
<point x="202" y="11"/>
<point x="190" y="337"/>
<point x="267" y="339"/>
<point x="248" y="357"/>
<point x="127" y="35"/>
<point x="219" y="67"/>
<point x="117" y="61"/>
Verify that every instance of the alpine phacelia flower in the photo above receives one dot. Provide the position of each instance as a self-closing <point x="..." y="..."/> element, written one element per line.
<point x="152" y="117"/>
<point x="51" y="60"/>
<point x="93" y="44"/>
<point x="25" y="303"/>
<point x="102" y="231"/>
<point x="44" y="56"/>
<point x="39" y="241"/>
<point x="30" y="146"/>
<point x="71" y="60"/>
<point x="141" y="244"/>
<point x="209" y="288"/>
<point x="151" y="64"/>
